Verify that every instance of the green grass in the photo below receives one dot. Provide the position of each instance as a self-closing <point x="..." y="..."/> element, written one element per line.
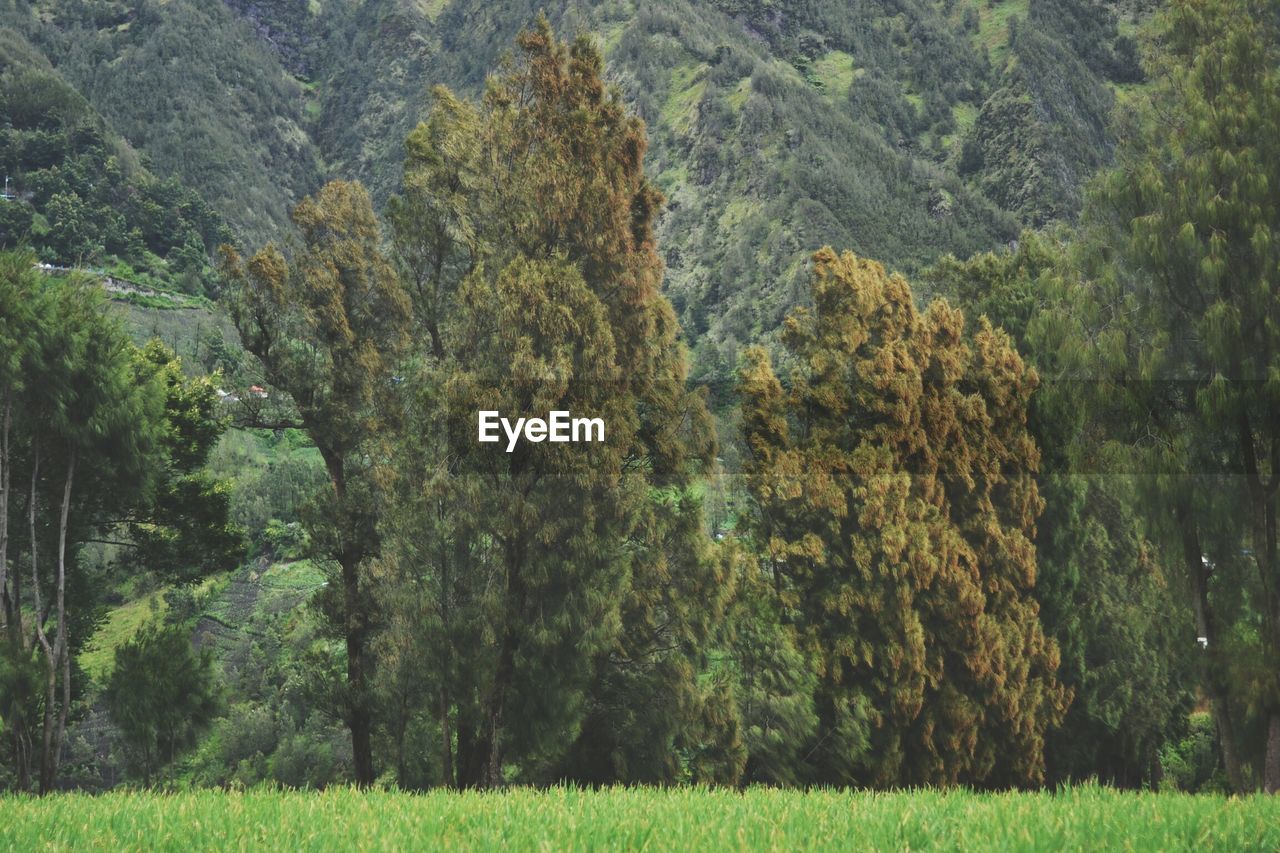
<point x="965" y="116"/>
<point x="123" y="622"/>
<point x="993" y="23"/>
<point x="680" y="110"/>
<point x="741" y="92"/>
<point x="683" y="818"/>
<point x="431" y="9"/>
<point x="298" y="575"/>
<point x="99" y="656"/>
<point x="836" y="71"/>
<point x="738" y="211"/>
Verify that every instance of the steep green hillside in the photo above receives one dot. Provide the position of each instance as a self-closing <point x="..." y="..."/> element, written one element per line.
<point x="1042" y="131"/>
<point x="900" y="129"/>
<point x="191" y="86"/>
<point x="80" y="195"/>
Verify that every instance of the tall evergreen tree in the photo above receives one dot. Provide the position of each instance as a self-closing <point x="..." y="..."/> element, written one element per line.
<point x="526" y="228"/>
<point x="1103" y="584"/>
<point x="160" y="694"/>
<point x="896" y="504"/>
<point x="85" y="436"/>
<point x="20" y="303"/>
<point x="329" y="324"/>
<point x="1175" y="307"/>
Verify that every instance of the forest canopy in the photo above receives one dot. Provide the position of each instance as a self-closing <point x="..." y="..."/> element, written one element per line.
<point x="934" y="346"/>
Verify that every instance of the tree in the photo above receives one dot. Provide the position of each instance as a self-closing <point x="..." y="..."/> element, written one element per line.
<point x="96" y="439"/>
<point x="183" y="531"/>
<point x="1103" y="584"/>
<point x="895" y="497"/>
<point x="19" y="302"/>
<point x="98" y="425"/>
<point x="1173" y="307"/>
<point x="329" y="324"/>
<point x="85" y="434"/>
<point x="526" y="229"/>
<point x="160" y="694"/>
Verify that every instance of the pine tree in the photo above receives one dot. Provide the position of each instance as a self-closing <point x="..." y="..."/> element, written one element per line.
<point x="896" y="504"/>
<point x="85" y="437"/>
<point x="1103" y="585"/>
<point x="21" y="303"/>
<point x="1174" y="305"/>
<point x="329" y="324"/>
<point x="526" y="231"/>
<point x="161" y="693"/>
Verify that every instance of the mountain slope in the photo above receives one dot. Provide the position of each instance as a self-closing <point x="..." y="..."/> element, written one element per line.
<point x="80" y="195"/>
<point x="193" y="87"/>
<point x="901" y="129"/>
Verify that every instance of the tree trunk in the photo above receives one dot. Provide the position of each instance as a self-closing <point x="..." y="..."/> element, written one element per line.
<point x="19" y="727"/>
<point x="21" y="752"/>
<point x="472" y="752"/>
<point x="505" y="672"/>
<point x="7" y="610"/>
<point x="59" y="658"/>
<point x="497" y="702"/>
<point x="446" y="741"/>
<point x="446" y="668"/>
<point x="1271" y="764"/>
<point x="45" y="646"/>
<point x="401" y="735"/>
<point x="47" y="770"/>
<point x="359" y="719"/>
<point x="10" y="607"/>
<point x="355" y="626"/>
<point x="1193" y="557"/>
<point x="1262" y="505"/>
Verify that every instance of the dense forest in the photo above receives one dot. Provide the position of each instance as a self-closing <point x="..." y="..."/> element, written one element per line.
<point x="984" y="495"/>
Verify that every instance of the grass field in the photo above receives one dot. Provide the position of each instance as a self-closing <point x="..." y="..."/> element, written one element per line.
<point x="1085" y="818"/>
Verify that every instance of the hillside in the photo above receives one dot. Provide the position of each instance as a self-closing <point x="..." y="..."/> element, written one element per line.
<point x="901" y="130"/>
<point x="80" y="195"/>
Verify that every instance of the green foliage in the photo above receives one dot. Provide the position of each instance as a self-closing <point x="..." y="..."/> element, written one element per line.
<point x="160" y="694"/>
<point x="827" y="124"/>
<point x="1192" y="763"/>
<point x="272" y="481"/>
<point x="277" y="661"/>
<point x="184" y="531"/>
<point x="81" y="195"/>
<point x="1171" y="304"/>
<point x="774" y="684"/>
<point x="525" y="231"/>
<point x="116" y="628"/>
<point x="108" y="441"/>
<point x="896" y="502"/>
<point x="1103" y="585"/>
<point x="193" y="89"/>
<point x="328" y="325"/>
<point x="541" y="616"/>
<point x="1043" y="129"/>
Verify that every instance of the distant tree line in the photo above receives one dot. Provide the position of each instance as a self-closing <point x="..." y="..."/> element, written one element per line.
<point x="910" y="594"/>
